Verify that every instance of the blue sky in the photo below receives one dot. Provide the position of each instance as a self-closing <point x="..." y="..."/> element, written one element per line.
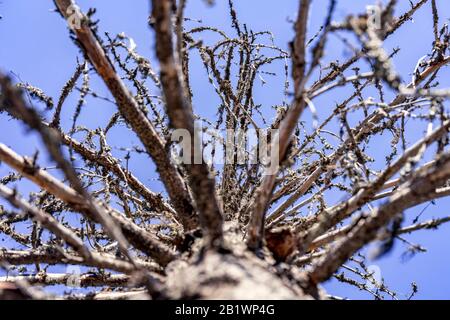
<point x="36" y="48"/>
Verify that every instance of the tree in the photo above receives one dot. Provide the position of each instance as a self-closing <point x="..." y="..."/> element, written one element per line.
<point x="258" y="225"/>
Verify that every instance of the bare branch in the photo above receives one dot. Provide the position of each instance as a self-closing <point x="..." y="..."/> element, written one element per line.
<point x="83" y="280"/>
<point x="410" y="194"/>
<point x="181" y="117"/>
<point x="135" y="234"/>
<point x="134" y="116"/>
<point x="258" y="208"/>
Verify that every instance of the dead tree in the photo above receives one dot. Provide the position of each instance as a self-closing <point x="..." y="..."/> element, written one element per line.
<point x="237" y="230"/>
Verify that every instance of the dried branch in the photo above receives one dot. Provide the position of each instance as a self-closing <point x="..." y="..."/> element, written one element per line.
<point x="409" y="195"/>
<point x="181" y="117"/>
<point x="135" y="117"/>
<point x="140" y="238"/>
<point x="260" y="202"/>
<point x="83" y="280"/>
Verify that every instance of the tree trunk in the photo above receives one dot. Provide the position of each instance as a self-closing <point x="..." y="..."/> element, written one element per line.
<point x="233" y="273"/>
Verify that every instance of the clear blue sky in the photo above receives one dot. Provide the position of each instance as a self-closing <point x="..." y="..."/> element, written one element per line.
<point x="35" y="46"/>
